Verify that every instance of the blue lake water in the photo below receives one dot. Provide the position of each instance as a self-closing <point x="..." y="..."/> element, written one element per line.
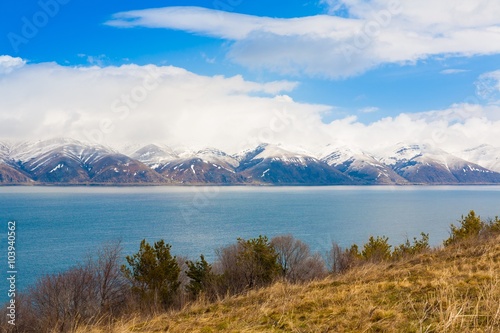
<point x="58" y="226"/>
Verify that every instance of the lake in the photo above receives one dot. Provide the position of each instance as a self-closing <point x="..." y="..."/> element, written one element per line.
<point x="58" y="226"/>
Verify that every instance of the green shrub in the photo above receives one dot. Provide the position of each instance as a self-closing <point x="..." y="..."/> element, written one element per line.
<point x="470" y="226"/>
<point x="408" y="249"/>
<point x="259" y="261"/>
<point x="493" y="226"/>
<point x="247" y="264"/>
<point x="377" y="249"/>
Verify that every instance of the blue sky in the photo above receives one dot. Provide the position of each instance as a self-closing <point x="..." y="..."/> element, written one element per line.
<point x="380" y="82"/>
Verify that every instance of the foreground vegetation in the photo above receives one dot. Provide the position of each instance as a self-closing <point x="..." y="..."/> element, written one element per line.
<point x="259" y="285"/>
<point x="451" y="290"/>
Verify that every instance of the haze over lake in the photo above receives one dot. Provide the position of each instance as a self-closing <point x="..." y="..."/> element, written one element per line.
<point x="58" y="226"/>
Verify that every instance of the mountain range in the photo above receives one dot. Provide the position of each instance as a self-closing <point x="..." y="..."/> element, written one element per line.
<point x="68" y="161"/>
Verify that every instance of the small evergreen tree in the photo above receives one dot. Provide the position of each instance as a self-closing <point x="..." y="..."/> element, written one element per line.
<point x="470" y="226"/>
<point x="494" y="225"/>
<point x="154" y="273"/>
<point x="407" y="249"/>
<point x="200" y="275"/>
<point x="259" y="261"/>
<point x="353" y="251"/>
<point x="377" y="249"/>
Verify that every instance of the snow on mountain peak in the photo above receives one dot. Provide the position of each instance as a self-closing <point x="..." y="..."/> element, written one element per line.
<point x="406" y="152"/>
<point x="31" y="151"/>
<point x="212" y="155"/>
<point x="342" y="154"/>
<point x="280" y="153"/>
<point x="486" y="156"/>
<point x="154" y="154"/>
<point x="4" y="152"/>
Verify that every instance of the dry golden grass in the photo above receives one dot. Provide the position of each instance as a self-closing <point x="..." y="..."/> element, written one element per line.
<point x="447" y="290"/>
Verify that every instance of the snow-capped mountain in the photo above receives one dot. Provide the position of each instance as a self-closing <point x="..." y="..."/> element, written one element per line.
<point x="485" y="155"/>
<point x="154" y="156"/>
<point x="70" y="161"/>
<point x="212" y="155"/>
<point x="67" y="161"/>
<point x="275" y="165"/>
<point x="204" y="166"/>
<point x="424" y="164"/>
<point x="359" y="164"/>
<point x="8" y="173"/>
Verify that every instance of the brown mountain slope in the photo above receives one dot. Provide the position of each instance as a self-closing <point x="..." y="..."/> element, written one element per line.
<point x="9" y="175"/>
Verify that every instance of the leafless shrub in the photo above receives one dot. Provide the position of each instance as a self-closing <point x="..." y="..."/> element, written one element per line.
<point x="181" y="298"/>
<point x="83" y="295"/>
<point x="183" y="278"/>
<point x="108" y="279"/>
<point x="340" y="260"/>
<point x="233" y="278"/>
<point x="296" y="261"/>
<point x="25" y="319"/>
<point x="312" y="268"/>
<point x="64" y="301"/>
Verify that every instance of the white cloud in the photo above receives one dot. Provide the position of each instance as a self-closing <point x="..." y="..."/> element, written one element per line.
<point x="452" y="71"/>
<point x="208" y="22"/>
<point x="376" y="32"/>
<point x="8" y="64"/>
<point x="148" y="104"/>
<point x="232" y="26"/>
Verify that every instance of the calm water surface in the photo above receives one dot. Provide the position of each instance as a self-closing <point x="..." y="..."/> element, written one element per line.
<point x="58" y="226"/>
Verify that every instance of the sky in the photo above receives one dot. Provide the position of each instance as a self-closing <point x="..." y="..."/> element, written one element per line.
<point x="236" y="73"/>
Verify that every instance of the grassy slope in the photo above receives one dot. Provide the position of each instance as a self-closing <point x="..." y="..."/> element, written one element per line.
<point x="452" y="290"/>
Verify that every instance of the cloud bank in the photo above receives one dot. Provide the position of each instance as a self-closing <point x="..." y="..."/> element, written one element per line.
<point x="170" y="105"/>
<point x="373" y="33"/>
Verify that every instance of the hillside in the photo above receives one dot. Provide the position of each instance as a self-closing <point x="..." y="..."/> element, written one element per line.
<point x="455" y="289"/>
